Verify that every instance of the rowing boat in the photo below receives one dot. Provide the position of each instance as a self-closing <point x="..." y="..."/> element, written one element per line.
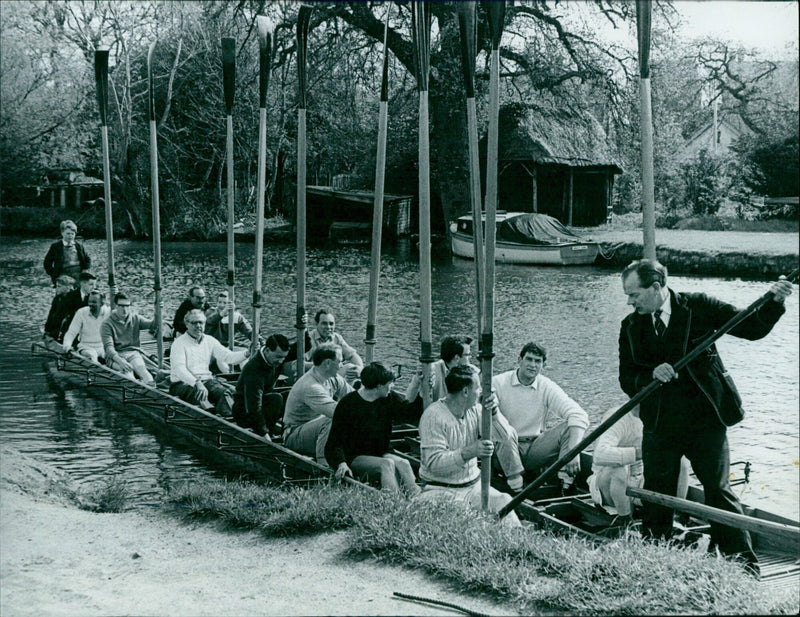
<point x="218" y="436"/>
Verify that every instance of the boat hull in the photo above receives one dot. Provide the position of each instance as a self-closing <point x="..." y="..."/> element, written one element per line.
<point x="573" y="254"/>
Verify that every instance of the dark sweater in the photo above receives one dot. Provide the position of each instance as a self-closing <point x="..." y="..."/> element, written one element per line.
<point x="362" y="428"/>
<point x="256" y="379"/>
<point x="178" y="323"/>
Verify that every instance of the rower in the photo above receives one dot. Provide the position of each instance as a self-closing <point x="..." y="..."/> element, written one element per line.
<point x="529" y="401"/>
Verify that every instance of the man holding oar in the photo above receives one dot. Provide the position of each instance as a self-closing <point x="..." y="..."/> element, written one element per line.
<point x="690" y="412"/>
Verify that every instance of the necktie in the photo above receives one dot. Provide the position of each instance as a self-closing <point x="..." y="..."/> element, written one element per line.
<point x="659" y="325"/>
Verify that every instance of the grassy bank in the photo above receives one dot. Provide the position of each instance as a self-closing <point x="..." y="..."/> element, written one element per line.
<point x="535" y="570"/>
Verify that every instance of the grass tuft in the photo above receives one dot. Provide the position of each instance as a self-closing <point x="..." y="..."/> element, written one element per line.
<point x="112" y="495"/>
<point x="533" y="569"/>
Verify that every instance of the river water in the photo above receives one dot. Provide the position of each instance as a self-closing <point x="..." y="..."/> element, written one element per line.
<point x="574" y="312"/>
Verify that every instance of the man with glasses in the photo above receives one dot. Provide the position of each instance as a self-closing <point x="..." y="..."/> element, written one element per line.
<point x="190" y="367"/>
<point x="195" y="300"/>
<point x="120" y="336"/>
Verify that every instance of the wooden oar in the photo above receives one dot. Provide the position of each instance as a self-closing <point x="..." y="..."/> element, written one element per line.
<point x="639" y="397"/>
<point x="643" y="12"/>
<point x="101" y="77"/>
<point x="421" y="36"/>
<point x="377" y="208"/>
<point x="784" y="533"/>
<point x="155" y="207"/>
<point x="496" y="13"/>
<point x="265" y="51"/>
<point x="468" y="23"/>
<point x="229" y="87"/>
<point x="303" y="18"/>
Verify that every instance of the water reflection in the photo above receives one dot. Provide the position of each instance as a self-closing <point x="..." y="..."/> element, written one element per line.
<point x="574" y="312"/>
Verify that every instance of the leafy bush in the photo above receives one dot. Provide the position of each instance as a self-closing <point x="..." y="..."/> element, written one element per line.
<point x="705" y="183"/>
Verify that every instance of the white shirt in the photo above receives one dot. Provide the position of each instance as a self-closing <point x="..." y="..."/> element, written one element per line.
<point x="666" y="311"/>
<point x="531" y="409"/>
<point x="86" y="329"/>
<point x="190" y="359"/>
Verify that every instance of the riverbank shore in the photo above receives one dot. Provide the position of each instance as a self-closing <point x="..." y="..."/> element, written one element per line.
<point x="57" y="559"/>
<point x="756" y="255"/>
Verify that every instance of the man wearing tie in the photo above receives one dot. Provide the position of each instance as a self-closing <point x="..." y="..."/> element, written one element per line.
<point x="689" y="414"/>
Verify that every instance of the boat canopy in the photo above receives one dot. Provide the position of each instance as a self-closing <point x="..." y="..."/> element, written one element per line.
<point x="534" y="228"/>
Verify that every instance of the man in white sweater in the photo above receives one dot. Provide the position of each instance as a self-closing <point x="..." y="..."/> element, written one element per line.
<point x="190" y="361"/>
<point x="85" y="328"/>
<point x="547" y="423"/>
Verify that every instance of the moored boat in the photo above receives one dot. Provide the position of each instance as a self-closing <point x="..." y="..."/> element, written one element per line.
<point x="527" y="238"/>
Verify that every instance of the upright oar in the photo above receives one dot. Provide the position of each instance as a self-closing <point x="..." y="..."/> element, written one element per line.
<point x="229" y="86"/>
<point x="496" y="13"/>
<point x="265" y="51"/>
<point x="101" y="77"/>
<point x="643" y="12"/>
<point x="654" y="385"/>
<point x="303" y="18"/>
<point x="155" y="207"/>
<point x="467" y="20"/>
<point x="421" y="35"/>
<point x="377" y="208"/>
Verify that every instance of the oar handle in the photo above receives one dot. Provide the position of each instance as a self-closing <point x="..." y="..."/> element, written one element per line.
<point x="639" y="397"/>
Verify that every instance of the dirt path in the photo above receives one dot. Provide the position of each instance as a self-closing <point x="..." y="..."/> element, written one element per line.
<point x="58" y="560"/>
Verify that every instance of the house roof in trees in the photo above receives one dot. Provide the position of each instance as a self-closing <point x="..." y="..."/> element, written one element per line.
<point x="553" y="137"/>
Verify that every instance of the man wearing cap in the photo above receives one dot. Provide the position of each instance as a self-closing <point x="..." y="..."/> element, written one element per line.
<point x="53" y="327"/>
<point x="78" y="298"/>
<point x="85" y="328"/>
<point x="190" y="366"/>
<point x="120" y="336"/>
<point x="66" y="256"/>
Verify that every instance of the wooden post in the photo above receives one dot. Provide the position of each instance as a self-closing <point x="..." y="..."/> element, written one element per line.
<point x="155" y="208"/>
<point x="496" y="15"/>
<point x="265" y="50"/>
<point x="468" y="24"/>
<point x="571" y="195"/>
<point x="421" y="35"/>
<point x="303" y="18"/>
<point x="643" y="12"/>
<point x="377" y="208"/>
<point x="229" y="87"/>
<point x="101" y="77"/>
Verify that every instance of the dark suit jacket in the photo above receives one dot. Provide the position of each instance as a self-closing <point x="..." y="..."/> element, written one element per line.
<point x="693" y="317"/>
<point x="54" y="260"/>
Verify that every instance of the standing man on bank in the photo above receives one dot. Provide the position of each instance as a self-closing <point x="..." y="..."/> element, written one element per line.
<point x="689" y="414"/>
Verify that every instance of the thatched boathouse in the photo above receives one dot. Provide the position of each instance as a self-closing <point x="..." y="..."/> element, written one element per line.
<point x="555" y="162"/>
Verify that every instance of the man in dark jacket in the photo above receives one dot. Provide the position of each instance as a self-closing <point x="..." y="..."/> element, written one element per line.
<point x="54" y="326"/>
<point x="77" y="298"/>
<point x="196" y="300"/>
<point x="66" y="256"/>
<point x="689" y="414"/>
<point x="255" y="403"/>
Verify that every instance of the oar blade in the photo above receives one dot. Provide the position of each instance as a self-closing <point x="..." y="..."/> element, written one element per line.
<point x="303" y="21"/>
<point x="101" y="77"/>
<point x="468" y="25"/>
<point x="496" y="13"/>
<point x="421" y="40"/>
<point x="265" y="29"/>
<point x="228" y="72"/>
<point x="644" y="11"/>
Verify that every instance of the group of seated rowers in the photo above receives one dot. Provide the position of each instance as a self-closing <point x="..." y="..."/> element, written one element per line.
<point x="534" y="421"/>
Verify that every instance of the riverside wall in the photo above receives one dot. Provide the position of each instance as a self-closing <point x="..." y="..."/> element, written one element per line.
<point x="708" y="262"/>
